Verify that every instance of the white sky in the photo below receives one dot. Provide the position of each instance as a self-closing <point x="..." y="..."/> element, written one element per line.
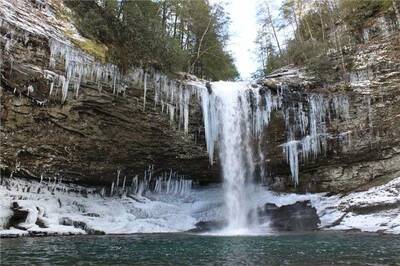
<point x="243" y="30"/>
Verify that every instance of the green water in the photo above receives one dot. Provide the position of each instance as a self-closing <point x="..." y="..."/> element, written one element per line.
<point x="185" y="249"/>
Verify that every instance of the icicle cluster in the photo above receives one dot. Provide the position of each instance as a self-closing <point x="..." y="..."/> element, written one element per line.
<point x="172" y="185"/>
<point x="257" y="105"/>
<point x="306" y="125"/>
<point x="167" y="183"/>
<point x="173" y="97"/>
<point x="81" y="68"/>
<point x="306" y="117"/>
<point x="46" y="185"/>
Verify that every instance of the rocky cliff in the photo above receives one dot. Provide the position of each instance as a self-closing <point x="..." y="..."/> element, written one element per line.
<point x="362" y="149"/>
<point x="67" y="113"/>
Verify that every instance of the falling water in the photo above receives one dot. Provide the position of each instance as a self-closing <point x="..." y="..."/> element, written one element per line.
<point x="228" y="123"/>
<point x="235" y="115"/>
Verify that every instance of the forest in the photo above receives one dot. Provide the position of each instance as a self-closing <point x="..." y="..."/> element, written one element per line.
<point x="321" y="34"/>
<point x="170" y="35"/>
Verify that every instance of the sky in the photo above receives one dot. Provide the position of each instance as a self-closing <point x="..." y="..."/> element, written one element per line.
<point x="243" y="30"/>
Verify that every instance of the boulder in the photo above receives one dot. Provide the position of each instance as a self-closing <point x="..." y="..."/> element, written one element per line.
<point x="300" y="216"/>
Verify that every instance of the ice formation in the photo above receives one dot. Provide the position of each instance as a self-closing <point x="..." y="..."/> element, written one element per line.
<point x="165" y="183"/>
<point x="172" y="186"/>
<point x="306" y="120"/>
<point x="81" y="68"/>
<point x="56" y="208"/>
<point x="306" y="125"/>
<point x="173" y="96"/>
<point x="70" y="209"/>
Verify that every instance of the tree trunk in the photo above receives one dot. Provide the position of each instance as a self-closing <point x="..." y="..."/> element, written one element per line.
<point x="322" y="21"/>
<point x="273" y="29"/>
<point x="396" y="7"/>
<point x="199" y="45"/>
<point x="164" y="17"/>
<point x="335" y="35"/>
<point x="175" y="24"/>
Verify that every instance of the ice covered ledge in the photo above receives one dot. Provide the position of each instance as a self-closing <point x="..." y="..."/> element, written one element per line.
<point x="49" y="207"/>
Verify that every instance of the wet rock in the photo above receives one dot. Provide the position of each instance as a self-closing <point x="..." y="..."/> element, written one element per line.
<point x="208" y="86"/>
<point x="91" y="214"/>
<point x="208" y="226"/>
<point x="19" y="215"/>
<point x="66" y="221"/>
<point x="81" y="225"/>
<point x="300" y="216"/>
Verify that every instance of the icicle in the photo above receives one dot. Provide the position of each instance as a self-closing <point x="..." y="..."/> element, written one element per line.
<point x="141" y="189"/>
<point x="117" y="183"/>
<point x="169" y="183"/>
<point x="80" y="67"/>
<point x="112" y="189"/>
<point x="123" y="183"/>
<point x="367" y="104"/>
<point x="134" y="185"/>
<point x="30" y="89"/>
<point x="144" y="91"/>
<point x="290" y="150"/>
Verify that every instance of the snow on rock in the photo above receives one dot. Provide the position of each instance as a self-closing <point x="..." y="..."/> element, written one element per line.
<point x="374" y="210"/>
<point x="385" y="195"/>
<point x="64" y="210"/>
<point x="31" y="218"/>
<point x="53" y="209"/>
<point x="5" y="213"/>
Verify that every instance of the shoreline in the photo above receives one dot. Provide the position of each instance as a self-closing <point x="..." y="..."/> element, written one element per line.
<point x="40" y="209"/>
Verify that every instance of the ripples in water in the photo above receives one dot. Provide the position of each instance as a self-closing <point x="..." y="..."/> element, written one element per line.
<point x="331" y="248"/>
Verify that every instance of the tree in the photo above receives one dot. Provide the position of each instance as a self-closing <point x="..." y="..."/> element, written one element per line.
<point x="171" y="35"/>
<point x="266" y="20"/>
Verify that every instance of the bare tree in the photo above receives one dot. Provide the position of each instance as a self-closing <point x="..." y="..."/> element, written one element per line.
<point x="199" y="45"/>
<point x="268" y="20"/>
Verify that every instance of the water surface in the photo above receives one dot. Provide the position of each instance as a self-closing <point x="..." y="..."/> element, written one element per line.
<point x="187" y="249"/>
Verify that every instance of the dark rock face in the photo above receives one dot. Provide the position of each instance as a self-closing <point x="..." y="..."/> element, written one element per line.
<point x="295" y="217"/>
<point x="88" y="140"/>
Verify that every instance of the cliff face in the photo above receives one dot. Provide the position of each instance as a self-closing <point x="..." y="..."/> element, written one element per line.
<point x="101" y="125"/>
<point x="89" y="133"/>
<point x="363" y="149"/>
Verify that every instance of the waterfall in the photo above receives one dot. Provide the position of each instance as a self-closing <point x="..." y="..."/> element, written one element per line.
<point x="229" y="122"/>
<point x="235" y="116"/>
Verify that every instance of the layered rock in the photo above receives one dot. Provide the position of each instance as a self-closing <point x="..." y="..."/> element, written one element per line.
<point x="362" y="149"/>
<point x="65" y="113"/>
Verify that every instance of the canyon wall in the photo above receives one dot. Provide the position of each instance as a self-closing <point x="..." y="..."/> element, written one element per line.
<point x="100" y="124"/>
<point x="103" y="121"/>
